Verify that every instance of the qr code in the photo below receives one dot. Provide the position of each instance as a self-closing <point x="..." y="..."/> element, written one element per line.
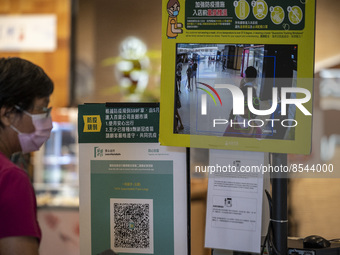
<point x="132" y="224"/>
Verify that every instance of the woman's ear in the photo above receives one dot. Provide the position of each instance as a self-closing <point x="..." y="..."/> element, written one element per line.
<point x="6" y="116"/>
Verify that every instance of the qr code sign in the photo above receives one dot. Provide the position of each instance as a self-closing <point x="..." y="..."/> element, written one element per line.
<point x="132" y="225"/>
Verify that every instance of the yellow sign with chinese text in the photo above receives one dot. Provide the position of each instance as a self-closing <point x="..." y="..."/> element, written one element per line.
<point x="218" y="54"/>
<point x="92" y="123"/>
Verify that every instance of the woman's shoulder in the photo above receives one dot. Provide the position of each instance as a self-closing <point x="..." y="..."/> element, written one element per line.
<point x="8" y="170"/>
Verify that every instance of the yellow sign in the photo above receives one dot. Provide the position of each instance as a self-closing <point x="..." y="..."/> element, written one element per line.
<point x="92" y="123"/>
<point x="238" y="47"/>
<point x="295" y="14"/>
<point x="260" y="9"/>
<point x="277" y="14"/>
<point x="242" y="9"/>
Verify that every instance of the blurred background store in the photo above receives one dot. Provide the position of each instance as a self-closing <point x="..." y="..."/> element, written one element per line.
<point x="110" y="51"/>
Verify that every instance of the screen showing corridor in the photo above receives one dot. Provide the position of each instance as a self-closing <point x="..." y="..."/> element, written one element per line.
<point x="235" y="90"/>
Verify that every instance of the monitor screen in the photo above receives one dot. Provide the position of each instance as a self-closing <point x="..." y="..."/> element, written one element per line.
<point x="236" y="78"/>
<point x="207" y="76"/>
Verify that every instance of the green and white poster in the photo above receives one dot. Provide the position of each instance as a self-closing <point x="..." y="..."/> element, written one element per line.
<point x="133" y="192"/>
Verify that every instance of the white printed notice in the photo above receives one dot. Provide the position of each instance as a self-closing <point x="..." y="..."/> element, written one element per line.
<point x="234" y="202"/>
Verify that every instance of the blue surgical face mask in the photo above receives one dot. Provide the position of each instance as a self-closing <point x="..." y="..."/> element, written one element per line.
<point x="175" y="13"/>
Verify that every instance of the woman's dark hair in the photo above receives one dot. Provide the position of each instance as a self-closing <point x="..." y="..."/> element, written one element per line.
<point x="21" y="82"/>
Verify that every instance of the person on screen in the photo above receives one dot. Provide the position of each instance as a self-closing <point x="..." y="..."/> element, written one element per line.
<point x="189" y="75"/>
<point x="25" y="124"/>
<point x="248" y="82"/>
<point x="194" y="73"/>
<point x="178" y="118"/>
<point x="238" y="125"/>
<point x="179" y="76"/>
<point x="250" y="77"/>
<point x="224" y="63"/>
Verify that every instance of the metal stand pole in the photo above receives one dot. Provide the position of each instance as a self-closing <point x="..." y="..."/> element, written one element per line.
<point x="279" y="199"/>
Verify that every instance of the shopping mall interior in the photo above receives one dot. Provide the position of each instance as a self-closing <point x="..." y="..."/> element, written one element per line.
<point x="90" y="64"/>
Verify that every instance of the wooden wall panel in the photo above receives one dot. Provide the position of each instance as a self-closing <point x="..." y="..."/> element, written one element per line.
<point x="56" y="64"/>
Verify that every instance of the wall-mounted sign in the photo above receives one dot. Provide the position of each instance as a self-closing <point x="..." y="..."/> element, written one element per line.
<point x="238" y="75"/>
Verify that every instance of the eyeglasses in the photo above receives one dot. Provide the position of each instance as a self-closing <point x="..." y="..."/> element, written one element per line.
<point x="45" y="110"/>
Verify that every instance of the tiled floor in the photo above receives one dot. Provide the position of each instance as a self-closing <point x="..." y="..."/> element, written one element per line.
<point x="211" y="73"/>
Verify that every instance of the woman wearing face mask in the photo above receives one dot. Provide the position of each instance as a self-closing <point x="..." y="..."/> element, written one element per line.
<point x="174" y="28"/>
<point x="25" y="124"/>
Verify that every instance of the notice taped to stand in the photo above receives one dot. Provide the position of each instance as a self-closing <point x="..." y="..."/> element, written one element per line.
<point x="238" y="75"/>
